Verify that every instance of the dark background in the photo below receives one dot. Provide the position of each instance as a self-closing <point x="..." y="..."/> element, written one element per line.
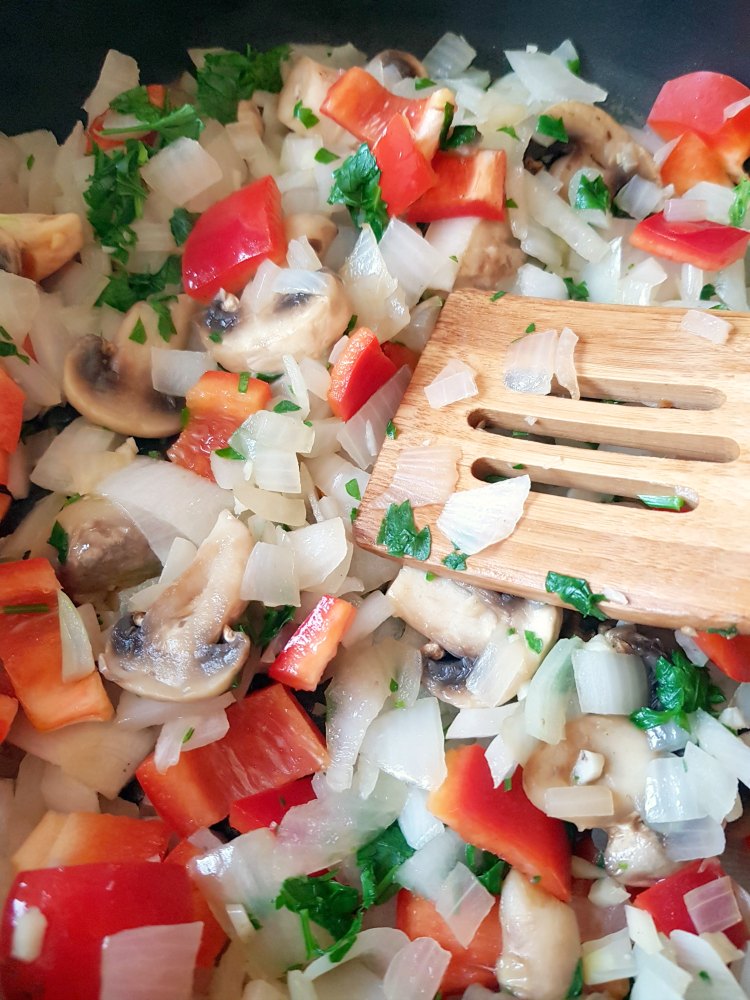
<point x="50" y="52"/>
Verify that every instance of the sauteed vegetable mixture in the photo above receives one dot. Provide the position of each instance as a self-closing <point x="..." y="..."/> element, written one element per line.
<point x="242" y="758"/>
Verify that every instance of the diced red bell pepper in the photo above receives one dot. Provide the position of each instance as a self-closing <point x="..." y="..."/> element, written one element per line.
<point x="302" y="661"/>
<point x="266" y="809"/>
<point x="157" y="95"/>
<point x="232" y="238"/>
<point x="691" y="161"/>
<point x="31" y="651"/>
<point x="196" y="443"/>
<point x="61" y="839"/>
<point x="271" y="741"/>
<point x="82" y="905"/>
<point x="359" y="371"/>
<point x="401" y="355"/>
<point x="731" y="655"/>
<point x="502" y="820"/>
<point x="705" y="244"/>
<point x="470" y="184"/>
<point x="665" y="900"/>
<point x="405" y="172"/>
<point x="417" y="917"/>
<point x="213" y="937"/>
<point x="696" y="102"/>
<point x="358" y="103"/>
<point x="11" y="412"/>
<point x="8" y="709"/>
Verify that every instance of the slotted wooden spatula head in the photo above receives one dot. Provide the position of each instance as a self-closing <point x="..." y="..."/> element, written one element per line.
<point x="656" y="567"/>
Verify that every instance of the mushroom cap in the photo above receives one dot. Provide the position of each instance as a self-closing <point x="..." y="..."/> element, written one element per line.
<point x="46" y="241"/>
<point x="405" y="62"/>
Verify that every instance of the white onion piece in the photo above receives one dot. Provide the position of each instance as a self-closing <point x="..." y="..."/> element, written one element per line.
<point x="134" y="712"/>
<point x="375" y="296"/>
<point x="609" y="683"/>
<point x="373" y="416"/>
<point x="316" y="377"/>
<point x="608" y="958"/>
<point x="662" y="153"/>
<point x="533" y="282"/>
<point x="450" y="237"/>
<point x="608" y="892"/>
<point x="571" y="802"/>
<point x="300" y="255"/>
<point x="333" y="476"/>
<point x="174" y="372"/>
<point x="695" y="838"/>
<point x="463" y="903"/>
<point x="271" y="506"/>
<point x="19" y="304"/>
<point x="668" y="796"/>
<point x="684" y="210"/>
<point x="77" y="655"/>
<point x="658" y="975"/>
<point x="696" y="955"/>
<point x="669" y="736"/>
<point x="529" y="362"/>
<point x="417" y="823"/>
<point x="717" y="199"/>
<point x="423" y="319"/>
<point x="449" y="56"/>
<point x="477" y="723"/>
<point x="416" y="971"/>
<point x="188" y="732"/>
<point x="730" y="286"/>
<point x="546" y="79"/>
<point x="118" y="73"/>
<point x="455" y="382"/>
<point x="379" y="945"/>
<point x="229" y="473"/>
<point x="371" y="613"/>
<point x="640" y="197"/>
<point x="275" y="470"/>
<point x="423" y="476"/>
<point x="425" y="872"/>
<point x="707" y="325"/>
<point x="511" y="747"/>
<point x="259" y="294"/>
<point x="713" y="907"/>
<point x="296" y="385"/>
<point x="637" y="286"/>
<point x="408" y="744"/>
<point x="501" y="666"/>
<point x="270" y="576"/>
<point x="717" y="741"/>
<point x="410" y="259"/>
<point x="550" y="691"/>
<point x="642" y="930"/>
<point x="29" y="928"/>
<point x="690" y="647"/>
<point x="565" y="367"/>
<point x="318" y="550"/>
<point x="53" y="471"/>
<point x="181" y="171"/>
<point x="551" y="211"/>
<point x="147" y="962"/>
<point x="273" y="430"/>
<point x="474" y="519"/>
<point x="713" y="786"/>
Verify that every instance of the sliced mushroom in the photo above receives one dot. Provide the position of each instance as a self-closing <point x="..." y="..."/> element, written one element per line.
<point x="407" y="64"/>
<point x="46" y="242"/>
<point x="541" y="943"/>
<point x="319" y="230"/>
<point x="109" y="382"/>
<point x="10" y="254"/>
<point x="596" y="140"/>
<point x="106" y="551"/>
<point x="175" y="650"/>
<point x="304" y="323"/>
<point x="492" y="255"/>
<point x="635" y="854"/>
<point x="248" y="113"/>
<point x="308" y="83"/>
<point x="626" y="756"/>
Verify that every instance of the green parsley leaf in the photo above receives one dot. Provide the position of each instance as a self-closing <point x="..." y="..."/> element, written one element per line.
<point x="325" y="156"/>
<point x="740" y="205"/>
<point x="391" y="431"/>
<point x="662" y="503"/>
<point x="399" y="534"/>
<point x="378" y="862"/>
<point x="574" y="65"/>
<point x="510" y="203"/>
<point x="30" y="160"/>
<point x="59" y="541"/>
<point x="553" y="127"/>
<point x="8" y="347"/>
<point x="519" y="465"/>
<point x="530" y="328"/>
<point x="356" y="185"/>
<point x="497" y="295"/>
<point x="728" y="633"/>
<point x="230" y="452"/>
<point x="25" y="609"/>
<point x="73" y="498"/>
<point x="576" y="593"/>
<point x="286" y="406"/>
<point x="353" y="514"/>
<point x="682" y="687"/>
<point x="352" y="488"/>
<point x="125" y="288"/>
<point x="274" y="619"/>
<point x="509" y="130"/>
<point x="576" y="986"/>
<point x="165" y="323"/>
<point x="184" y="417"/>
<point x="512" y="631"/>
<point x="578" y="292"/>
<point x="215" y="337"/>
<point x="429" y="577"/>
<point x="325" y="902"/>
<point x="519" y="434"/>
<point x="508" y="784"/>
<point x="176" y="123"/>
<point x="189" y="733"/>
<point x="351" y="324"/>
<point x="533" y="641"/>
<point x="115" y="196"/>
<point x="393" y="685"/>
<point x="707" y="292"/>
<point x="704" y="976"/>
<point x="488" y="868"/>
<point x="455" y="560"/>
<point x="422" y="83"/>
<point x="270" y="378"/>
<point x="454" y="258"/>
<point x="243" y="382"/>
<point x="138" y="333"/>
<point x="305" y="115"/>
<point x="226" y="78"/>
<point x="593" y="194"/>
<point x="181" y="224"/>
<point x="460" y="136"/>
<point x="719" y="305"/>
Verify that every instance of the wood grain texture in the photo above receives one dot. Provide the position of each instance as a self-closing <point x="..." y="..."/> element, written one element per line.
<point x="687" y="568"/>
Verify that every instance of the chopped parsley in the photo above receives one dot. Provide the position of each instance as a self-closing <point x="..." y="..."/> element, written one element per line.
<point x="593" y="194"/>
<point x="740" y="205"/>
<point x="268" y="377"/>
<point x="510" y="203"/>
<point x="574" y="65"/>
<point x="509" y="130"/>
<point x="422" y="83"/>
<point x="352" y="488"/>
<point x="351" y="324"/>
<point x="508" y="784"/>
<point x="378" y="862"/>
<point x="229" y="452"/>
<point x="682" y="687"/>
<point x="181" y="224"/>
<point x="356" y="185"/>
<point x="189" y="733"/>
<point x="184" y="417"/>
<point x="707" y="292"/>
<point x="59" y="541"/>
<point x="497" y="295"/>
<point x="25" y="609"/>
<point x="274" y="619"/>
<point x="9" y="349"/>
<point x="553" y="127"/>
<point x="454" y="258"/>
<point x="327" y="903"/>
<point x="125" y="288"/>
<point x="533" y="641"/>
<point x="429" y="577"/>
<point x="662" y="503"/>
<point x="488" y="868"/>
<point x="576" y="986"/>
<point x="115" y="196"/>
<point x="459" y="135"/>
<point x="399" y="534"/>
<point x="353" y="514"/>
<point x="391" y="431"/>
<point x="393" y="685"/>
<point x="519" y="465"/>
<point x="226" y="78"/>
<point x="578" y="292"/>
<point x="325" y="156"/>
<point x="169" y="123"/>
<point x="138" y="333"/>
<point x="286" y="406"/>
<point x="727" y="633"/>
<point x="30" y="160"/>
<point x="530" y="328"/>
<point x="73" y="498"/>
<point x="575" y="592"/>
<point x="305" y="115"/>
<point x="243" y="382"/>
<point x="455" y="560"/>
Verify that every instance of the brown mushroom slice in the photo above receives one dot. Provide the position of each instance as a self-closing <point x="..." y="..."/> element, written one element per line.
<point x="183" y="647"/>
<point x="597" y="140"/>
<point x="492" y="255"/>
<point x="10" y="253"/>
<point x="109" y="382"/>
<point x="407" y="64"/>
<point x="106" y="551"/>
<point x="309" y="82"/>
<point x="319" y="230"/>
<point x="635" y="854"/>
<point x="304" y="323"/>
<point x="46" y="242"/>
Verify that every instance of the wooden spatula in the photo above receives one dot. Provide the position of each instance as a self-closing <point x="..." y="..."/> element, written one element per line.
<point x="657" y="567"/>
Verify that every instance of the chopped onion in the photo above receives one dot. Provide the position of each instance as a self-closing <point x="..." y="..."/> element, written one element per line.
<point x="642" y="930"/>
<point x="118" y="73"/>
<point x="546" y="79"/>
<point x="712" y="907"/>
<point x="477" y="723"/>
<point x="408" y="743"/>
<point x="29" y="928"/>
<point x="451" y="238"/>
<point x="375" y="414"/>
<point x="474" y="519"/>
<point x="463" y="903"/>
<point x="713" y="786"/>
<point x="668" y="795"/>
<point x="530" y="362"/>
<point x="333" y="476"/>
<point x="717" y="741"/>
<point x="53" y="471"/>
<point x="371" y="613"/>
<point x="416" y="971"/>
<point x="174" y="372"/>
<point x="296" y="385"/>
<point x="375" y="296"/>
<point x="608" y="892"/>
<point x="574" y="801"/>
<point x="410" y="259"/>
<point x="707" y="325"/>
<point x="423" y="476"/>
<point x="425" y="872"/>
<point x="535" y="283"/>
<point x="417" y="823"/>
<point x="259" y="294"/>
<point x="318" y="550"/>
<point x="449" y="56"/>
<point x="730" y="286"/>
<point x="275" y="470"/>
<point x="189" y="732"/>
<point x="456" y="381"/>
<point x="273" y="430"/>
<point x="716" y="199"/>
<point x="696" y="838"/>
<point x="316" y="376"/>
<point x="181" y="171"/>
<point x="270" y="576"/>
<point x="511" y="747"/>
<point x="271" y="506"/>
<point x="423" y="319"/>
<point x="640" y="197"/>
<point x="669" y="736"/>
<point x="147" y="962"/>
<point x="77" y="655"/>
<point x="684" y="210"/>
<point x="696" y="955"/>
<point x="301" y="256"/>
<point x="134" y="712"/>
<point x="500" y="668"/>
<point x="608" y="958"/>
<point x="379" y="945"/>
<point x="609" y="683"/>
<point x="637" y="287"/>
<point x="565" y="367"/>
<point x="550" y="691"/>
<point x="551" y="211"/>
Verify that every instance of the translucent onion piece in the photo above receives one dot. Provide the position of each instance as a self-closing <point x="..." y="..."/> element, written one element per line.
<point x="417" y="823"/>
<point x="148" y="962"/>
<point x="270" y="576"/>
<point x="77" y="655"/>
<point x="640" y="197"/>
<point x="275" y="470"/>
<point x="474" y="519"/>
<point x="684" y="210"/>
<point x="707" y="325"/>
<point x="410" y="259"/>
<point x="668" y="796"/>
<point x="296" y="385"/>
<point x="713" y="906"/>
<point x="425" y="872"/>
<point x="696" y="838"/>
<point x="716" y="197"/>
<point x="275" y="430"/>
<point x="379" y="945"/>
<point x="53" y="470"/>
<point x="301" y="255"/>
<point x="63" y="794"/>
<point x="570" y="802"/>
<point x="374" y="294"/>
<point x="642" y="929"/>
<point x="717" y="741"/>
<point x="181" y="171"/>
<point x="371" y="613"/>
<point x="449" y="56"/>
<point x="463" y="902"/>
<point x="609" y="683"/>
<point x="316" y="376"/>
<point x="532" y="281"/>
<point x="362" y="436"/>
<point x="500" y="668"/>
<point x="408" y="744"/>
<point x="670" y="736"/>
<point x="259" y="294"/>
<point x="546" y="79"/>
<point x="475" y="723"/>
<point x="565" y="367"/>
<point x="455" y="382"/>
<point x="118" y="73"/>
<point x="608" y="958"/>
<point x="556" y="215"/>
<point x="318" y="549"/>
<point x="174" y="372"/>
<point x="734" y="109"/>
<point x="607" y="892"/>
<point x="271" y="506"/>
<point x="416" y="971"/>
<point x="530" y="363"/>
<point x="423" y="476"/>
<point x="422" y="323"/>
<point x="550" y="691"/>
<point x="29" y="928"/>
<point x="134" y="712"/>
<point x="188" y="733"/>
<point x="696" y="955"/>
<point x="713" y="786"/>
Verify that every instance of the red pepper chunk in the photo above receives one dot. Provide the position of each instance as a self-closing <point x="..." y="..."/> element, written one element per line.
<point x="232" y="238"/>
<point x="503" y="821"/>
<point x="707" y="245"/>
<point x="360" y="370"/>
<point x="301" y="663"/>
<point x="265" y="809"/>
<point x="690" y="162"/>
<point x="473" y="184"/>
<point x="8" y="709"/>
<point x="405" y="172"/>
<point x="730" y="654"/>
<point x="11" y="412"/>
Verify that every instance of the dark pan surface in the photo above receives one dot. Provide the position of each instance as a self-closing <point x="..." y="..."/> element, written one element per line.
<point x="50" y="52"/>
